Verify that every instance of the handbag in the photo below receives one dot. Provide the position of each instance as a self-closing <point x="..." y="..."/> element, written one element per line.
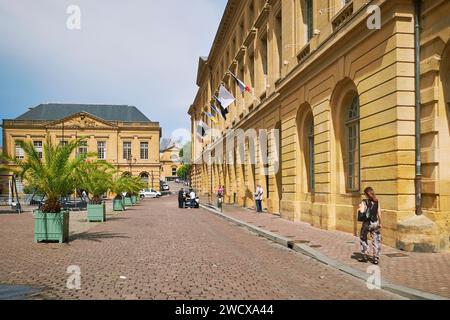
<point x="364" y="216"/>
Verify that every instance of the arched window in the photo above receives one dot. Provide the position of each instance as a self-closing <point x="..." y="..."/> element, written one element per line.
<point x="145" y="178"/>
<point x="311" y="179"/>
<point x="352" y="140"/>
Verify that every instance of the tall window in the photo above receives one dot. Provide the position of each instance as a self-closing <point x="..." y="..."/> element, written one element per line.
<point x="279" y="41"/>
<point x="20" y="153"/>
<point x="353" y="153"/>
<point x="101" y="150"/>
<point x="144" y="150"/>
<point x="127" y="150"/>
<point x="145" y="178"/>
<point x="311" y="171"/>
<point x="251" y="69"/>
<point x="263" y="53"/>
<point x="83" y="149"/>
<point x="174" y="172"/>
<point x="251" y="14"/>
<point x="38" y="147"/>
<point x="309" y="19"/>
<point x="63" y="143"/>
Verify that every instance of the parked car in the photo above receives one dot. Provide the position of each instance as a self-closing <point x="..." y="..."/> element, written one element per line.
<point x="165" y="187"/>
<point x="149" y="193"/>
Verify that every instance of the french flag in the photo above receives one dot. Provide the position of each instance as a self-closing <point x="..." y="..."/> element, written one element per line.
<point x="242" y="86"/>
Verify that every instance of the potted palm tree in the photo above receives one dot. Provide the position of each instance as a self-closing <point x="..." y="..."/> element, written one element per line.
<point x="53" y="175"/>
<point x="133" y="187"/>
<point x="119" y="187"/>
<point x="96" y="180"/>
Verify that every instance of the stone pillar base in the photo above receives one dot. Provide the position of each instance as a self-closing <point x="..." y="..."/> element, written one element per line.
<point x="420" y="234"/>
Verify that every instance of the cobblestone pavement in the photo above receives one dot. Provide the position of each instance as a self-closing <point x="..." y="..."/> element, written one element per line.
<point x="157" y="251"/>
<point x="429" y="272"/>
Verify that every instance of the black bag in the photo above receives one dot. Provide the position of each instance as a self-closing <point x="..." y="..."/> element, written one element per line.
<point x="364" y="216"/>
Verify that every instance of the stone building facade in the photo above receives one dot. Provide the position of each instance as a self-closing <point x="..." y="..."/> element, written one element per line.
<point x="120" y="135"/>
<point x="170" y="162"/>
<point x="343" y="94"/>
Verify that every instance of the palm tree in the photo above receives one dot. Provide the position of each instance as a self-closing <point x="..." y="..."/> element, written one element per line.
<point x="96" y="178"/>
<point x="54" y="175"/>
<point x="119" y="185"/>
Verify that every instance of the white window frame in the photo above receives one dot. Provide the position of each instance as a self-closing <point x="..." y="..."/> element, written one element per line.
<point x="39" y="147"/>
<point x="101" y="150"/>
<point x="83" y="149"/>
<point x="144" y="150"/>
<point x="127" y="150"/>
<point x="19" y="152"/>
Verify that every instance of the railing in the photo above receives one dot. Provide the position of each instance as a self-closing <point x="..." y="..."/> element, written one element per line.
<point x="342" y="16"/>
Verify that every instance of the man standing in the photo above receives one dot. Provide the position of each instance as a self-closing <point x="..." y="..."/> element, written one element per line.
<point x="181" y="198"/>
<point x="258" y="198"/>
<point x="192" y="196"/>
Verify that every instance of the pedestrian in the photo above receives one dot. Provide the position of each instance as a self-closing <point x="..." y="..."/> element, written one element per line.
<point x="181" y="198"/>
<point x="369" y="213"/>
<point x="220" y="194"/>
<point x="259" y="192"/>
<point x="220" y="191"/>
<point x="192" y="195"/>
<point x="84" y="195"/>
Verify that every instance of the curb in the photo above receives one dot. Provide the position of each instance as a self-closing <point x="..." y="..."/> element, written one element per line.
<point x="403" y="291"/>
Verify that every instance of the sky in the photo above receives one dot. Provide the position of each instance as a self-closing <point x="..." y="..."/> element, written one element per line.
<point x="135" y="52"/>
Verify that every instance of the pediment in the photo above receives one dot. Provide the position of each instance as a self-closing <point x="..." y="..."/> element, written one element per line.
<point x="81" y="120"/>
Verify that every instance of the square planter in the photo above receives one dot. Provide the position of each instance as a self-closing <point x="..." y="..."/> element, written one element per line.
<point x="118" y="205"/>
<point x="96" y="212"/>
<point x="134" y="200"/>
<point x="128" y="202"/>
<point x="51" y="226"/>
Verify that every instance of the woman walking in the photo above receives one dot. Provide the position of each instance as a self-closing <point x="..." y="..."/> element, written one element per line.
<point x="369" y="213"/>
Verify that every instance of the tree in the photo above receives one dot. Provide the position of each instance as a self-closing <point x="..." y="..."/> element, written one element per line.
<point x="55" y="175"/>
<point x="183" y="171"/>
<point x="185" y="153"/>
<point x="96" y="179"/>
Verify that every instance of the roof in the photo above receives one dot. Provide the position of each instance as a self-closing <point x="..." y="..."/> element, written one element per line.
<point x="56" y="111"/>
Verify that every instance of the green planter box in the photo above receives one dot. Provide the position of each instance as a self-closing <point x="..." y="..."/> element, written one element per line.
<point x="118" y="205"/>
<point x="134" y="200"/>
<point x="51" y="226"/>
<point x="128" y="202"/>
<point x="96" y="212"/>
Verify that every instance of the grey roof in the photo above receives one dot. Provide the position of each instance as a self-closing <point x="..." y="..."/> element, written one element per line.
<point x="56" y="111"/>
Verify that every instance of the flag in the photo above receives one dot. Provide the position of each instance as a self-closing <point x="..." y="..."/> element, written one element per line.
<point x="202" y="128"/>
<point x="225" y="97"/>
<point x="223" y="111"/>
<point x="242" y="86"/>
<point x="215" y="111"/>
<point x="209" y="115"/>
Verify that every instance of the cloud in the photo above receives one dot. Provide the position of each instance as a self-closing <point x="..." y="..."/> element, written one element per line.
<point x="137" y="52"/>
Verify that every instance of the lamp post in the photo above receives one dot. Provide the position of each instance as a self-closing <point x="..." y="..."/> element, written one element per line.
<point x="152" y="179"/>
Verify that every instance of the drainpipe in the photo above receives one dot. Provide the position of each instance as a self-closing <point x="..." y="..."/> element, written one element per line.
<point x="418" y="178"/>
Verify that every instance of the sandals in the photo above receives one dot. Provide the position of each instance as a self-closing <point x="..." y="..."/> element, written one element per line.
<point x="363" y="258"/>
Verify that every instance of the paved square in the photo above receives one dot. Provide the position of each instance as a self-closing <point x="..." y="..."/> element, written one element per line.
<point x="157" y="251"/>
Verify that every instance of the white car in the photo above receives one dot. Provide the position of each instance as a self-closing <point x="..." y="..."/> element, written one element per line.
<point x="149" y="193"/>
<point x="165" y="187"/>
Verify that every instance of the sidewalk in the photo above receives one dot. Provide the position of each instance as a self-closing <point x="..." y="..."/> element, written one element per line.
<point x="427" y="272"/>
